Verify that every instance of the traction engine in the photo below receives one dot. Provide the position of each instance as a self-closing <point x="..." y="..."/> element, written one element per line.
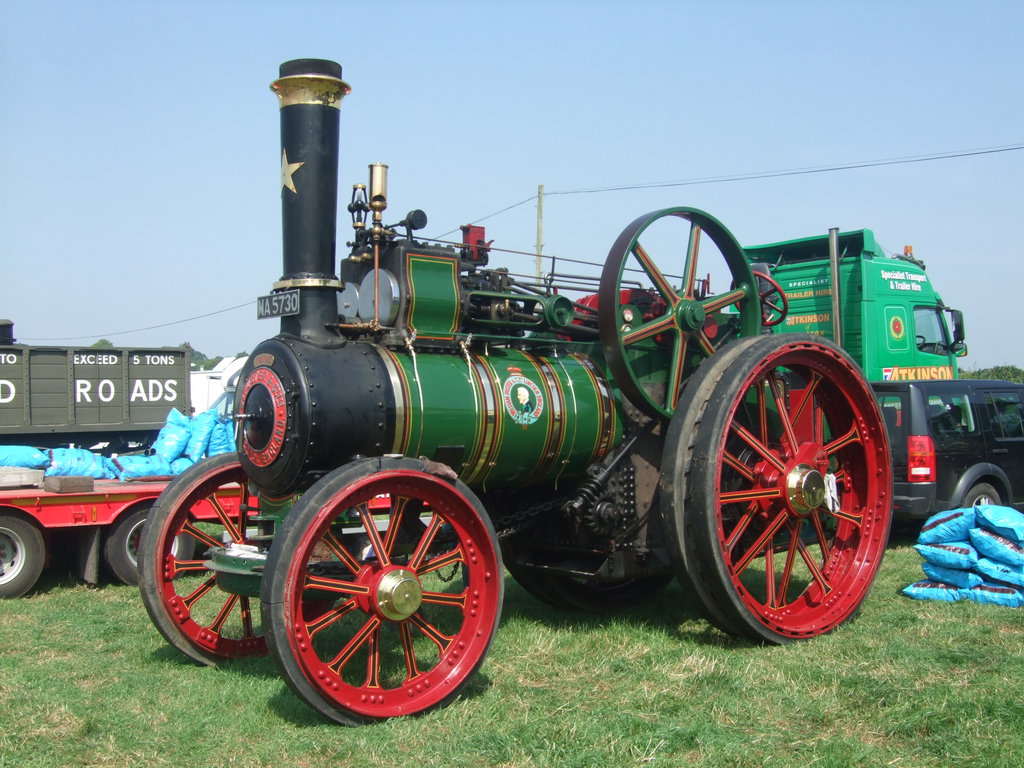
<point x="424" y="421"/>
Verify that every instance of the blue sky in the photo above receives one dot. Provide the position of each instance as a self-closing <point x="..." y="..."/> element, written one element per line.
<point x="142" y="160"/>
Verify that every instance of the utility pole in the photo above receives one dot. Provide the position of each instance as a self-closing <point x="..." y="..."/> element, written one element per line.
<point x="540" y="228"/>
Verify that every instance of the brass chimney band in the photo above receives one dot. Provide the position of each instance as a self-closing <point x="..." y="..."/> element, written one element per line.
<point x="324" y="90"/>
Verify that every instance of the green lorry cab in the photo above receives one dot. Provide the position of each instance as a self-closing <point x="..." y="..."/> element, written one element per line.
<point x="890" y="318"/>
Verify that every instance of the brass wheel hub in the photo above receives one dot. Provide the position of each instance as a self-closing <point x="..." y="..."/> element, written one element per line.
<point x="805" y="489"/>
<point x="399" y="595"/>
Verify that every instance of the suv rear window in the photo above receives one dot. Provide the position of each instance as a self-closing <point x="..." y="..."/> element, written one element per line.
<point x="951" y="416"/>
<point x="896" y="415"/>
<point x="1005" y="411"/>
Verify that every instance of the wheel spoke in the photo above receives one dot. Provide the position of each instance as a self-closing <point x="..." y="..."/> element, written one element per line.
<point x="426" y="540"/>
<point x="762" y="450"/>
<point x="783" y="413"/>
<point x="692" y="257"/>
<point x="199" y="593"/>
<point x="329" y="618"/>
<point x="852" y="436"/>
<point x="201" y="536"/>
<point x="435" y="635"/>
<point x="341" y="552"/>
<point x="457" y="600"/>
<point x="370" y="526"/>
<point x="761" y="543"/>
<point x="650" y="329"/>
<point x="354" y="644"/>
<point x="668" y="293"/>
<point x="714" y="303"/>
<point x="340" y="586"/>
<point x="234" y="531"/>
<point x="777" y="596"/>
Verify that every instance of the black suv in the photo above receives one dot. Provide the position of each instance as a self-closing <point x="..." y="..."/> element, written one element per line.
<point x="954" y="443"/>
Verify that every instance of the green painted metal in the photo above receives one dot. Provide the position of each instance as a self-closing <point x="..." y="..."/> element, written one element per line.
<point x="892" y="317"/>
<point x="506" y="418"/>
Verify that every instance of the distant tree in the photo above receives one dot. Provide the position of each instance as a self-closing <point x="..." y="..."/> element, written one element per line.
<point x="1003" y="372"/>
<point x="103" y="344"/>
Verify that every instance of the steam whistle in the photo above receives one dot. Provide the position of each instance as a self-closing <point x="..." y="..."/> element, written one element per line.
<point x="378" y="198"/>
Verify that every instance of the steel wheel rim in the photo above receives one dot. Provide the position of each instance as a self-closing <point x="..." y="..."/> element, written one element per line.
<point x="762" y="473"/>
<point x="12" y="555"/>
<point x="356" y="670"/>
<point x="228" y="626"/>
<point x="683" y="329"/>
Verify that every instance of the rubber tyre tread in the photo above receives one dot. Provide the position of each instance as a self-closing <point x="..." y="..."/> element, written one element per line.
<point x="115" y="546"/>
<point x="680" y="438"/>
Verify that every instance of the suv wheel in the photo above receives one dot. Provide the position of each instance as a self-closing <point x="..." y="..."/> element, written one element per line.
<point x="982" y="493"/>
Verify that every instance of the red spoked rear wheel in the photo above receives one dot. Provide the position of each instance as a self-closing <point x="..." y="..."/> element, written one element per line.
<point x="759" y="440"/>
<point x="206" y="506"/>
<point x="383" y="592"/>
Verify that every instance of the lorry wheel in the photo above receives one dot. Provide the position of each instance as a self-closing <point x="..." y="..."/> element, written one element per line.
<point x="767" y="552"/>
<point x="121" y="547"/>
<point x="383" y="592"/>
<point x="22" y="554"/>
<point x="982" y="493"/>
<point x="206" y="506"/>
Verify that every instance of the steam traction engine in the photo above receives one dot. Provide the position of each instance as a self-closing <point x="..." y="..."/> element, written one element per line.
<point x="423" y="421"/>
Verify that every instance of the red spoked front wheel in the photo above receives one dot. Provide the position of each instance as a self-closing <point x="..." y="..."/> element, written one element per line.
<point x="206" y="506"/>
<point x="781" y="488"/>
<point x="383" y="592"/>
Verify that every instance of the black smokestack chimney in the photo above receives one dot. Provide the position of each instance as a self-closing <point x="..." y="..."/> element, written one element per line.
<point x="310" y="93"/>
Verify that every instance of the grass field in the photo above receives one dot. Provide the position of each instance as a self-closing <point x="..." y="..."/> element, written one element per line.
<point x="85" y="680"/>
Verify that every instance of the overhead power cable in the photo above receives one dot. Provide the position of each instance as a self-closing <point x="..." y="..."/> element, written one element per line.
<point x="138" y="330"/>
<point x="754" y="175"/>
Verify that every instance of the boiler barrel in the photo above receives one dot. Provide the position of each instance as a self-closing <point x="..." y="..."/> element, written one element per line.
<point x="507" y="419"/>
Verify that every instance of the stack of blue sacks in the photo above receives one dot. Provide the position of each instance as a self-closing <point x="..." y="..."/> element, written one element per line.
<point x="182" y="442"/>
<point x="976" y="553"/>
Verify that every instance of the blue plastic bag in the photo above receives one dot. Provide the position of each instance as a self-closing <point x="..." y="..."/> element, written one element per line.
<point x="174" y="436"/>
<point x="955" y="554"/>
<point x="944" y="527"/>
<point x="955" y="576"/>
<point x="202" y="428"/>
<point x="997" y="547"/>
<point x="933" y="590"/>
<point x="1007" y="522"/>
<point x="23" y="456"/>
<point x="180" y="464"/>
<point x="134" y="467"/>
<point x="992" y="594"/>
<point x="223" y="438"/>
<point x="993" y="570"/>
<point x="78" y="462"/>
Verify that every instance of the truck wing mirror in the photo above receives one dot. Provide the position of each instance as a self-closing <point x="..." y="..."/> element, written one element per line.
<point x="958" y="326"/>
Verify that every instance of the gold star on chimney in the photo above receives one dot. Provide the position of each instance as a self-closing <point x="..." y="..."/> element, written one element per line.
<point x="287" y="171"/>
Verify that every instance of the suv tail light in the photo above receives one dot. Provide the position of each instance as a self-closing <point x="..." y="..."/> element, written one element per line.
<point x="920" y="459"/>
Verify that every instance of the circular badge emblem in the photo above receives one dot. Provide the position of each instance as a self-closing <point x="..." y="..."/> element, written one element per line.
<point x="266" y="416"/>
<point x="523" y="399"/>
<point x="896" y="328"/>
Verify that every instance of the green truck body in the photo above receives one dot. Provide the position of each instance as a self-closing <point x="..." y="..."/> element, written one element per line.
<point x="892" y="321"/>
